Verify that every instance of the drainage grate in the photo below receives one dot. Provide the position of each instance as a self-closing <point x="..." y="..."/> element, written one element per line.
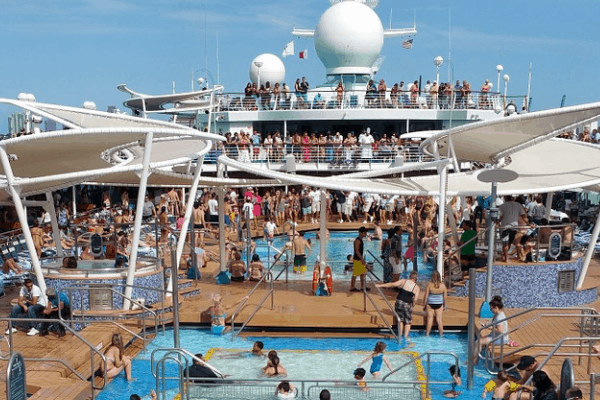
<point x="566" y="281"/>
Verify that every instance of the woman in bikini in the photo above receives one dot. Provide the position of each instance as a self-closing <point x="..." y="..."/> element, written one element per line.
<point x="435" y="302"/>
<point x="115" y="360"/>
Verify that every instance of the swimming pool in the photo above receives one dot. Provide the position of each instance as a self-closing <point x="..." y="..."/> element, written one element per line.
<point x="339" y="246"/>
<point x="323" y="358"/>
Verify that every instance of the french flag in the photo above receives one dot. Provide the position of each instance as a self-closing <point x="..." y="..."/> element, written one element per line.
<point x="303" y="54"/>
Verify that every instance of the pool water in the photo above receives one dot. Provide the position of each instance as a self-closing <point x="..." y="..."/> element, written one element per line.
<point x="339" y="246"/>
<point x="304" y="358"/>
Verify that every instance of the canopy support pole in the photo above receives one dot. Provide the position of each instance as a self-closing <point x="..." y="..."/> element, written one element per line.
<point x="137" y="225"/>
<point x="323" y="228"/>
<point x="549" y="198"/>
<point x="49" y="207"/>
<point x="15" y="192"/>
<point x="222" y="234"/>
<point x="589" y="253"/>
<point x="441" y="221"/>
<point x="186" y="219"/>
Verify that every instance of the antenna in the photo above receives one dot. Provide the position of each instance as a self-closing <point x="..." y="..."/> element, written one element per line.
<point x="218" y="66"/>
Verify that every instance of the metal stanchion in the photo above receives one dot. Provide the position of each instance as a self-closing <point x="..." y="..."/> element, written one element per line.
<point x="471" y="350"/>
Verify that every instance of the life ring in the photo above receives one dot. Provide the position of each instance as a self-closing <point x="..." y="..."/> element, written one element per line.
<point x="315" y="282"/>
<point x="329" y="280"/>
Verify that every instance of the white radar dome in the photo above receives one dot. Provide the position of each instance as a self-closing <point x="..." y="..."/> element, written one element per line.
<point x="271" y="69"/>
<point x="349" y="38"/>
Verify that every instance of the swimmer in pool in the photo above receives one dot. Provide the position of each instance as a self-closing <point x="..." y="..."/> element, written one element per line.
<point x="257" y="348"/>
<point x="377" y="359"/>
<point x="275" y="368"/>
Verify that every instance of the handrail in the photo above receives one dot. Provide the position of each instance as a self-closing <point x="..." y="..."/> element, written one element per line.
<point x="102" y="285"/>
<point x="270" y="293"/>
<point x="92" y="348"/>
<point x="184" y="352"/>
<point x="145" y="309"/>
<point x="427" y="354"/>
<point x="491" y="360"/>
<point x="303" y="385"/>
<point x="366" y="296"/>
<point x="378" y="261"/>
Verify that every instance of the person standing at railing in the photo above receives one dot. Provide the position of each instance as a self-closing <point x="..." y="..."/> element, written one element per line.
<point x="414" y="94"/>
<point x="255" y="138"/>
<point x="338" y="141"/>
<point x="276" y="91"/>
<point x="244" y="145"/>
<point x="366" y="141"/>
<point x="340" y="94"/>
<point x="304" y="87"/>
<point x="286" y="96"/>
<point x="305" y="144"/>
<point x="381" y="93"/>
<point x="314" y="147"/>
<point x="277" y="147"/>
<point x="485" y="89"/>
<point x="457" y="93"/>
<point x="447" y="91"/>
<point x="465" y="94"/>
<point x="432" y="100"/>
<point x="394" y="95"/>
<point x="248" y="96"/>
<point x="371" y="94"/>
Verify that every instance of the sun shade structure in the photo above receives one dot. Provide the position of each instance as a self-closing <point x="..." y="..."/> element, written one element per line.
<point x="170" y="103"/>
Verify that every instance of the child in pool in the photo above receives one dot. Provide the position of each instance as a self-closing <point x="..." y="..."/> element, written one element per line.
<point x="276" y="369"/>
<point x="359" y="376"/>
<point x="285" y="390"/>
<point x="378" y="358"/>
<point x="499" y="386"/>
<point x="270" y="356"/>
<point x="456" y="381"/>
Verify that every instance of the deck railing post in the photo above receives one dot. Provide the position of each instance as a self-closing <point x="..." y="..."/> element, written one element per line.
<point x="472" y="352"/>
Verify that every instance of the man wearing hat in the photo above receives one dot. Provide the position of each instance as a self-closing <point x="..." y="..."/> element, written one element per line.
<point x="51" y="311"/>
<point x="360" y="265"/>
<point x="528" y="365"/>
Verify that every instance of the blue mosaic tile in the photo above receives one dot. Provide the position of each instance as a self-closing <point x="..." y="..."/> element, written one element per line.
<point x="531" y="285"/>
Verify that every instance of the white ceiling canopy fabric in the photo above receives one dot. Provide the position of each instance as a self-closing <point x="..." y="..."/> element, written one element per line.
<point x="487" y="141"/>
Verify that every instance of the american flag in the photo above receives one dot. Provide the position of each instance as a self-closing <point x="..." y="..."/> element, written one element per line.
<point x="407" y="44"/>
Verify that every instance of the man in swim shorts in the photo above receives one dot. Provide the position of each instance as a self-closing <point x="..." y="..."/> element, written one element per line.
<point x="299" y="246"/>
<point x="360" y="265"/>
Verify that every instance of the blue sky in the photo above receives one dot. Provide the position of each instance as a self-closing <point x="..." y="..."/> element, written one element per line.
<point x="70" y="51"/>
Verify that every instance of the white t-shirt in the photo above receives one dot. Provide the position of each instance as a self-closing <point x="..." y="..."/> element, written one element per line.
<point x="271" y="227"/>
<point x="510" y="212"/>
<point x="35" y="292"/>
<point x="213" y="207"/>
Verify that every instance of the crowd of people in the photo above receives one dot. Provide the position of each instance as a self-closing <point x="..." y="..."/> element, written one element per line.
<point x="324" y="147"/>
<point x="442" y="95"/>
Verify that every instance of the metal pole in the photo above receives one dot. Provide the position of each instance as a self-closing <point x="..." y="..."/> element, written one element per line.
<point x="589" y="253"/>
<point x="491" y="240"/>
<point x="222" y="233"/>
<point x="471" y="351"/>
<point x="441" y="221"/>
<point x="49" y="207"/>
<point x="323" y="227"/>
<point x="15" y="192"/>
<point x="188" y="212"/>
<point x="74" y="201"/>
<point x="175" y="298"/>
<point x="135" y="240"/>
<point x="415" y="240"/>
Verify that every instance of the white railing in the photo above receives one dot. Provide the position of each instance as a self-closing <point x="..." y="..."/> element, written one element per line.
<point x="358" y="99"/>
<point x="332" y="154"/>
